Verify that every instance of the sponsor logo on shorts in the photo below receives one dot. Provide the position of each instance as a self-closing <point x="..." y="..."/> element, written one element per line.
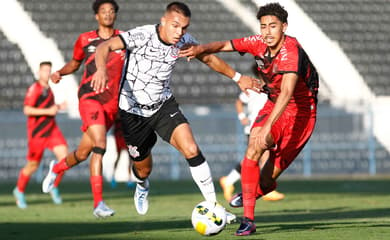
<point x="133" y="151"/>
<point x="94" y="115"/>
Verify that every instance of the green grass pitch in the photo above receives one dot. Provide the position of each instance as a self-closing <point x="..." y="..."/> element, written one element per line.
<point x="313" y="209"/>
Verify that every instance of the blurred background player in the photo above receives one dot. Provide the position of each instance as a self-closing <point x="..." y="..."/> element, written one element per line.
<point x="42" y="133"/>
<point x="146" y="102"/>
<point x="247" y="107"/>
<point x="98" y="109"/>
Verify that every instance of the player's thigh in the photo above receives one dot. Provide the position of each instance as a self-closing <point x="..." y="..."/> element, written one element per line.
<point x="138" y="134"/>
<point x="36" y="148"/>
<point x="183" y="140"/>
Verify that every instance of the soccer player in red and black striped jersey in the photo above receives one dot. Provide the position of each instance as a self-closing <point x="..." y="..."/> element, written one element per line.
<point x="287" y="120"/>
<point x="97" y="109"/>
<point x="42" y="132"/>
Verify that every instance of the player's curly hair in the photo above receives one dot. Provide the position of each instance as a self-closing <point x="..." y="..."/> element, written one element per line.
<point x="273" y="9"/>
<point x="179" y="7"/>
<point x="96" y="5"/>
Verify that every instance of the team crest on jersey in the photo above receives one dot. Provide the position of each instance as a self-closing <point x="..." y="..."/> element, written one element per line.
<point x="138" y="36"/>
<point x="133" y="151"/>
<point x="174" y="52"/>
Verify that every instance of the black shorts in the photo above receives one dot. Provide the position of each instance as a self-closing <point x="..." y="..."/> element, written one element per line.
<point x="140" y="132"/>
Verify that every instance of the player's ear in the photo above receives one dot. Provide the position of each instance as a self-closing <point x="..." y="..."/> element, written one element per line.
<point x="163" y="20"/>
<point x="284" y="27"/>
<point x="96" y="17"/>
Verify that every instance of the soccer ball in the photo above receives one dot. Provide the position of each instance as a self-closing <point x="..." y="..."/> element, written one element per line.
<point x="208" y="218"/>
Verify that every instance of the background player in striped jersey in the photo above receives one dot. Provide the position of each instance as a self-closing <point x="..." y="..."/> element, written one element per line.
<point x="98" y="109"/>
<point x="42" y="133"/>
<point x="146" y="102"/>
<point x="287" y="120"/>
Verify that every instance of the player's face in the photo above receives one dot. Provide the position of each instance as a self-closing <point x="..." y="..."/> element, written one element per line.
<point x="173" y="26"/>
<point x="44" y="72"/>
<point x="106" y="15"/>
<point x="272" y="30"/>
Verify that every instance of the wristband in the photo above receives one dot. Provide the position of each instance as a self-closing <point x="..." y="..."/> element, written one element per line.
<point x="236" y="76"/>
<point x="241" y="115"/>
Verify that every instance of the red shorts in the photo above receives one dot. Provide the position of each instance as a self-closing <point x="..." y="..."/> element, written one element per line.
<point x="290" y="133"/>
<point x="93" y="112"/>
<point x="36" y="146"/>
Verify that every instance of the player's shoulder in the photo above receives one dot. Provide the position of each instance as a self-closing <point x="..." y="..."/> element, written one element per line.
<point x="33" y="89"/>
<point x="291" y="42"/>
<point x="88" y="35"/>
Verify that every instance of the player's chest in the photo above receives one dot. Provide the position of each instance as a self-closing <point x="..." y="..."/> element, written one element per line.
<point x="159" y="53"/>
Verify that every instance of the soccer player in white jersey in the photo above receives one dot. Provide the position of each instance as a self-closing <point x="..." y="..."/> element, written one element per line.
<point x="146" y="103"/>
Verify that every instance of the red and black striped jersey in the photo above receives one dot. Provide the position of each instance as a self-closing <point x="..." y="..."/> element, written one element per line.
<point x="38" y="96"/>
<point x="84" y="50"/>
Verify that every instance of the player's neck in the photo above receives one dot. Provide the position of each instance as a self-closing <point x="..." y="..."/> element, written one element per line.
<point x="105" y="32"/>
<point x="43" y="83"/>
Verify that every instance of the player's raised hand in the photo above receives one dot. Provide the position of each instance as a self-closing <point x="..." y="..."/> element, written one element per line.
<point x="246" y="82"/>
<point x="99" y="81"/>
<point x="55" y="77"/>
<point x="190" y="51"/>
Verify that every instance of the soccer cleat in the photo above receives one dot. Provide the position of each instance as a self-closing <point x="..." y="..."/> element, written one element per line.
<point x="20" y="200"/>
<point x="55" y="196"/>
<point x="102" y="210"/>
<point x="227" y="189"/>
<point x="273" y="196"/>
<point x="48" y="182"/>
<point x="230" y="217"/>
<point x="236" y="201"/>
<point x="247" y="227"/>
<point x="141" y="199"/>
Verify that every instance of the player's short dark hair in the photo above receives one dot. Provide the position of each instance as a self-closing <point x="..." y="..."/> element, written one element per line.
<point x="45" y="63"/>
<point x="179" y="7"/>
<point x="96" y="5"/>
<point x="273" y="9"/>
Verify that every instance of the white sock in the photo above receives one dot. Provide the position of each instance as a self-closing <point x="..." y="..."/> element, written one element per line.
<point x="202" y="177"/>
<point x="144" y="183"/>
<point x="232" y="177"/>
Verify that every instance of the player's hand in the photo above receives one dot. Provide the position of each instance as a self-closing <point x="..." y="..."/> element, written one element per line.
<point x="262" y="137"/>
<point x="55" y="77"/>
<point x="190" y="51"/>
<point x="247" y="82"/>
<point x="52" y="111"/>
<point x="62" y="106"/>
<point x="99" y="81"/>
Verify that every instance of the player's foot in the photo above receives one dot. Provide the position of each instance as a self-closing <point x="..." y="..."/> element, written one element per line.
<point x="247" y="227"/>
<point x="141" y="199"/>
<point x="48" y="182"/>
<point x="273" y="196"/>
<point x="230" y="217"/>
<point x="227" y="189"/>
<point x="236" y="201"/>
<point x="102" y="210"/>
<point x="19" y="197"/>
<point x="113" y="183"/>
<point x="55" y="196"/>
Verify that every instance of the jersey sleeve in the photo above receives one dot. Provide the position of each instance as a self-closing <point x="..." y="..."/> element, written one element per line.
<point x="31" y="96"/>
<point x="78" y="52"/>
<point x="134" y="38"/>
<point x="252" y="44"/>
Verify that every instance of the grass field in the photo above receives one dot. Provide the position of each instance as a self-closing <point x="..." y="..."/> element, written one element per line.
<point x="312" y="209"/>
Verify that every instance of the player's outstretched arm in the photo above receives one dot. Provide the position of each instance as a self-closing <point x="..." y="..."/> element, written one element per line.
<point x="70" y="67"/>
<point x="220" y="66"/>
<point x="33" y="111"/>
<point x="100" y="78"/>
<point x="213" y="47"/>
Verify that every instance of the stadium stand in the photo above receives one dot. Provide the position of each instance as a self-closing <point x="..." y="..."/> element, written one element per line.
<point x="362" y="28"/>
<point x="15" y="75"/>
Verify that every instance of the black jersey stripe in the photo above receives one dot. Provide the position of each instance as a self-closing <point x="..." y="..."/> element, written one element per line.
<point x="42" y="125"/>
